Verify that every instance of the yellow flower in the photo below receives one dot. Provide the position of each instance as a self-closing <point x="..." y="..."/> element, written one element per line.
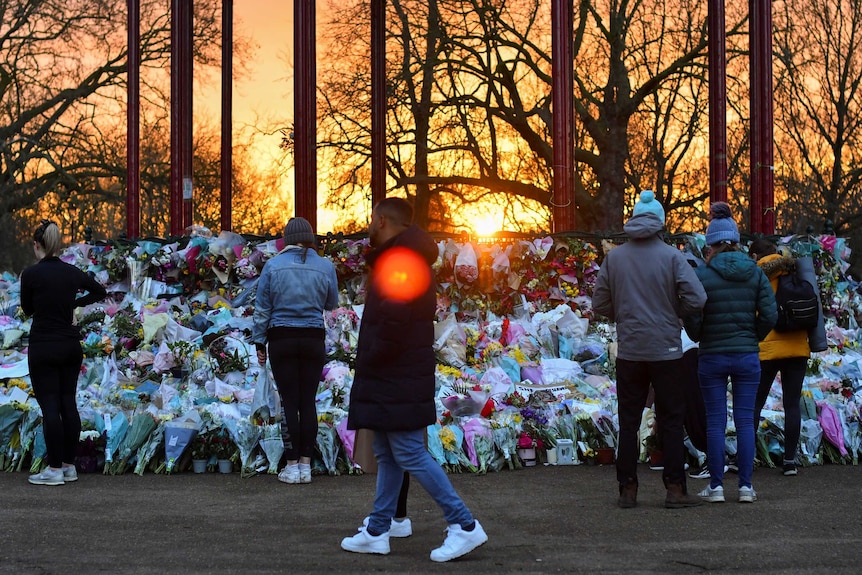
<point x="448" y="370"/>
<point x="447" y="437"/>
<point x="18" y="382"/>
<point x="493" y="347"/>
<point x="518" y="355"/>
<point x="225" y="398"/>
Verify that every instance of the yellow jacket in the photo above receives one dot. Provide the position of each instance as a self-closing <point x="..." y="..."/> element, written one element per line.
<point x="781" y="345"/>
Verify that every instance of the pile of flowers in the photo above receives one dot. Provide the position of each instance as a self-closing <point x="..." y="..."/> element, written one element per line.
<point x="522" y="360"/>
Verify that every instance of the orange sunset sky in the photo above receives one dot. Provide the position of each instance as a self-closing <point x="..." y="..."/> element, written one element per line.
<point x="263" y="96"/>
<point x="263" y="88"/>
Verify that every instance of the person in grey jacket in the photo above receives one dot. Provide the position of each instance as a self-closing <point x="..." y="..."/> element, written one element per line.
<point x="646" y="286"/>
<point x="294" y="289"/>
<point x="739" y="313"/>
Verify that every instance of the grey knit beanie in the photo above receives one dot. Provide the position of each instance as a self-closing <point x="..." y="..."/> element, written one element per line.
<point x="298" y="231"/>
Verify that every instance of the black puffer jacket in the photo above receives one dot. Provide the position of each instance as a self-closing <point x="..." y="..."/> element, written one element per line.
<point x="393" y="385"/>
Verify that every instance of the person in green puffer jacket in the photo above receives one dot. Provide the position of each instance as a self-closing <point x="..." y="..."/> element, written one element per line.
<point x="739" y="312"/>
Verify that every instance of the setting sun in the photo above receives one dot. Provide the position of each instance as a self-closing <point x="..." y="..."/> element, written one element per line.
<point x="486" y="225"/>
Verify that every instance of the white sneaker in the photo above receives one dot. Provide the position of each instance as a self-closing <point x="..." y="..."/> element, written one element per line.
<point x="459" y="542"/>
<point x="747" y="495"/>
<point x="363" y="542"/>
<point x="70" y="474"/>
<point x="397" y="529"/>
<point x="290" y="474"/>
<point x="304" y="473"/>
<point x="713" y="494"/>
<point x="48" y="476"/>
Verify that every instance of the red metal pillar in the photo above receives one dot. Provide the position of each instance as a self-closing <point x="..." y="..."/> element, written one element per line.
<point x="305" y="110"/>
<point x="187" y="110"/>
<point x="755" y="206"/>
<point x="133" y="122"/>
<point x="378" y="101"/>
<point x="176" y="202"/>
<point x="766" y="169"/>
<point x="563" y="199"/>
<point x="226" y="114"/>
<point x="717" y="102"/>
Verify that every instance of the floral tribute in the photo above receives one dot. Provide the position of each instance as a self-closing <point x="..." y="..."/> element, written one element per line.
<point x="521" y="358"/>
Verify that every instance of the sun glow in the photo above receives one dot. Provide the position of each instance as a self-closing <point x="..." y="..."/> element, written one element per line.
<point x="486" y="225"/>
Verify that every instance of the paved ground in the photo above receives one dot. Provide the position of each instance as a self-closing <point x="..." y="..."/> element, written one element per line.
<point x="539" y="520"/>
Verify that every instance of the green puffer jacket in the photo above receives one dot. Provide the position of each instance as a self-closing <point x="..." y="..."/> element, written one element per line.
<point x="740" y="306"/>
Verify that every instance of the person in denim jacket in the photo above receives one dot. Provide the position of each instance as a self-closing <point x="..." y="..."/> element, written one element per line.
<point x="294" y="289"/>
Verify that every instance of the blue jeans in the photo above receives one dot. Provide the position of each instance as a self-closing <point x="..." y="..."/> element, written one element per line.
<point x="743" y="369"/>
<point x="400" y="451"/>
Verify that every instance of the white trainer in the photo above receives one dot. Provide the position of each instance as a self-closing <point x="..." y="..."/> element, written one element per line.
<point x="48" y="476"/>
<point x="290" y="474"/>
<point x="304" y="473"/>
<point x="713" y="494"/>
<point x="364" y="542"/>
<point x="459" y="542"/>
<point x="70" y="474"/>
<point x="747" y="495"/>
<point x="397" y="529"/>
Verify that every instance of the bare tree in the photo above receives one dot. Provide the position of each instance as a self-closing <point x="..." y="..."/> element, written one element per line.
<point x="62" y="98"/>
<point x="470" y="106"/>
<point x="818" y="114"/>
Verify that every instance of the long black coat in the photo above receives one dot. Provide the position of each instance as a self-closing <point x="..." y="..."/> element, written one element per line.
<point x="393" y="384"/>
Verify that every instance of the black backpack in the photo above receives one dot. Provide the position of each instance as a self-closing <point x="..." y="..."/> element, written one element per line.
<point x="797" y="304"/>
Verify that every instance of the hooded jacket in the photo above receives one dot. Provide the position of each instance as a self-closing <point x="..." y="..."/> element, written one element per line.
<point x="740" y="307"/>
<point x="294" y="289"/>
<point x="393" y="384"/>
<point x="780" y="345"/>
<point x="646" y="286"/>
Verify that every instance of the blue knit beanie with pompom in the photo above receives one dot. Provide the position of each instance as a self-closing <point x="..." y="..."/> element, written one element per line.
<point x="648" y="204"/>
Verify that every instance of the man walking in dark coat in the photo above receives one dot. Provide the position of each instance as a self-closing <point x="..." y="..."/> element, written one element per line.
<point x="393" y="386"/>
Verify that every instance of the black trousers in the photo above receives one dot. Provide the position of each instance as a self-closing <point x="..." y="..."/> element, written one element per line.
<point x="297" y="364"/>
<point x="695" y="412"/>
<point x="633" y="383"/>
<point x="792" y="376"/>
<point x="54" y="369"/>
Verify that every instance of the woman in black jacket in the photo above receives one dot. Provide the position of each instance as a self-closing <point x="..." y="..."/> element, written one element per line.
<point x="49" y="292"/>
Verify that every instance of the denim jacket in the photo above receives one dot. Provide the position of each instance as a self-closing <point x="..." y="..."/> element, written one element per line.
<point x="293" y="293"/>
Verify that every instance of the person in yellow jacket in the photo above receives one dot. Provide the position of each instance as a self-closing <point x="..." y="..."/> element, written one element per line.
<point x="781" y="352"/>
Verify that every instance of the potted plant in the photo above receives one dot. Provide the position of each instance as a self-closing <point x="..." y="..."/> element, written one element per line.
<point x="224" y="450"/>
<point x="227" y="354"/>
<point x="90" y="452"/>
<point x="201" y="452"/>
<point x="589" y="434"/>
<point x="527" y="449"/>
<point x="182" y="353"/>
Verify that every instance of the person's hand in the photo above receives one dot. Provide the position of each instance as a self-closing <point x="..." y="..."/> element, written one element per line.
<point x="261" y="356"/>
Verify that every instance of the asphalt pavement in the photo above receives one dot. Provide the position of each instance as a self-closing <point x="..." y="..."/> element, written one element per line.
<point x="550" y="519"/>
